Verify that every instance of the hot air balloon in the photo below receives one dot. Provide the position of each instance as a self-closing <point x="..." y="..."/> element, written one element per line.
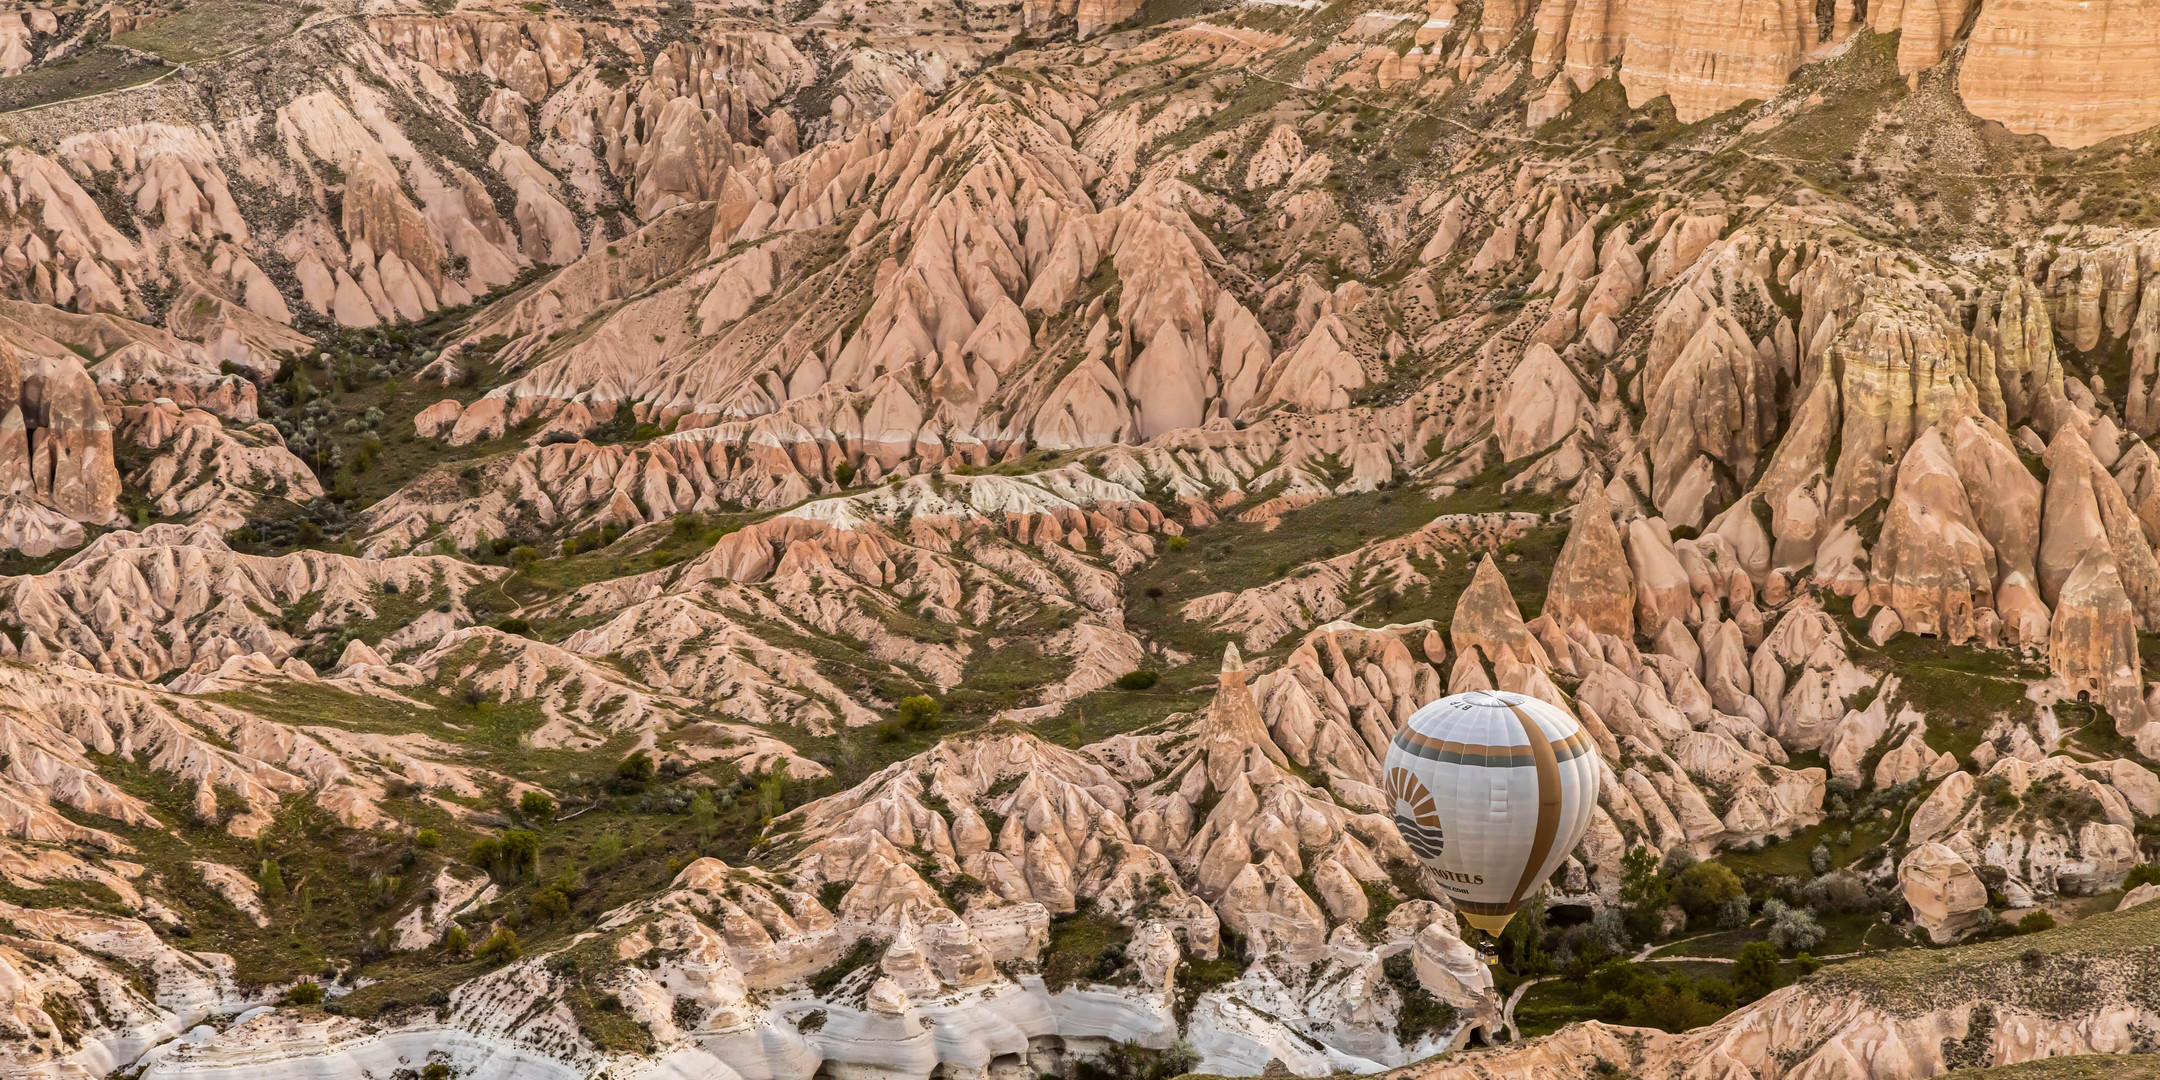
<point x="1492" y="790"/>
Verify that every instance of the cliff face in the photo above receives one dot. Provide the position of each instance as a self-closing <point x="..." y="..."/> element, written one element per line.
<point x="1712" y="56"/>
<point x="2075" y="74"/>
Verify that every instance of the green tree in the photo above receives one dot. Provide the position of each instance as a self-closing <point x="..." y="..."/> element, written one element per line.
<point x="637" y="770"/>
<point x="1643" y="892"/>
<point x="703" y="814"/>
<point x="1524" y="939"/>
<point x="521" y="852"/>
<point x="1588" y="954"/>
<point x="843" y="474"/>
<point x="550" y="904"/>
<point x="918" y="713"/>
<point x="772" y="793"/>
<point x="536" y="804"/>
<point x="428" y="839"/>
<point x="1755" y="970"/>
<point x="271" y="879"/>
<point x="1705" y="887"/>
<point x="456" y="942"/>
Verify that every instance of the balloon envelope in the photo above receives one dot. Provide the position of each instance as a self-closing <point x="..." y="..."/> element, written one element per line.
<point x="1492" y="790"/>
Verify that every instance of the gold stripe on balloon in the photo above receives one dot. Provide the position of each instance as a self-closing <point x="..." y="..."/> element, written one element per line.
<point x="1548" y="809"/>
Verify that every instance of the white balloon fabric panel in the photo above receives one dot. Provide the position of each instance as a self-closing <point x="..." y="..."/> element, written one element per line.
<point x="1492" y="790"/>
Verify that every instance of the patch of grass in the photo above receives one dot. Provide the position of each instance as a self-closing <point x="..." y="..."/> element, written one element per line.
<point x="1673" y="996"/>
<point x="1234" y="555"/>
<point x="322" y="908"/>
<point x="1111" y="711"/>
<point x="863" y="953"/>
<point x="95" y="71"/>
<point x="2075" y="1067"/>
<point x="2059" y="972"/>
<point x="1960" y="688"/>
<point x="603" y="1019"/>
<point x="210" y="28"/>
<point x="1078" y="943"/>
<point x="1843" y="933"/>
<point x="641" y="550"/>
<point x="1789" y="858"/>
<point x="1196" y="977"/>
<point x="1005" y="677"/>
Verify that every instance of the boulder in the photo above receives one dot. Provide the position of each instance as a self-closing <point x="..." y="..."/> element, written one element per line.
<point x="1942" y="810"/>
<point x="1946" y="895"/>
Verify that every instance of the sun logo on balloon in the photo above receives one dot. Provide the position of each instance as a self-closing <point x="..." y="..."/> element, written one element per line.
<point x="1415" y="814"/>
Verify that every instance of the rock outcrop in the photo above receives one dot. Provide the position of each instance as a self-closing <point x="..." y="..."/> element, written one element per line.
<point x="2074" y="77"/>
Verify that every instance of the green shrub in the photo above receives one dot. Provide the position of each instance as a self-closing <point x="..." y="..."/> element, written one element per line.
<point x="1793" y="929"/>
<point x="1755" y="970"/>
<point x="606" y="849"/>
<point x="456" y="942"/>
<point x="1625" y="992"/>
<point x="2035" y="921"/>
<point x="1141" y="679"/>
<point x="306" y="993"/>
<point x="2143" y="874"/>
<point x="427" y="838"/>
<point x="510" y="859"/>
<point x="501" y="947"/>
<point x="638" y="766"/>
<point x="634" y="772"/>
<point x="536" y="804"/>
<point x="515" y="625"/>
<point x="843" y="474"/>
